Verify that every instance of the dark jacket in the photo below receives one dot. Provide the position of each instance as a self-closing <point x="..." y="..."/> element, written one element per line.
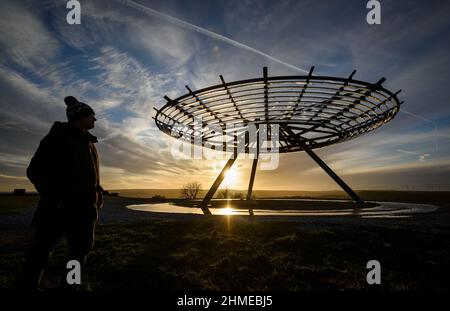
<point x="65" y="171"/>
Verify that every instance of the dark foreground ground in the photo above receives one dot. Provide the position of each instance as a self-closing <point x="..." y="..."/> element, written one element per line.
<point x="144" y="251"/>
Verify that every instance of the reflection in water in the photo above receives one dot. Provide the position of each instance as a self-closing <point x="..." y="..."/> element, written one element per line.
<point x="384" y="210"/>
<point x="226" y="211"/>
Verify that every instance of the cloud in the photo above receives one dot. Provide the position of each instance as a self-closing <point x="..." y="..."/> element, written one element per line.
<point x="423" y="157"/>
<point x="24" y="38"/>
<point x="19" y="96"/>
<point x="156" y="40"/>
<point x="123" y="80"/>
<point x="378" y="152"/>
<point x="123" y="62"/>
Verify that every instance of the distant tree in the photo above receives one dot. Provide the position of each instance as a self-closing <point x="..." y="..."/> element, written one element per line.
<point x="224" y="193"/>
<point x="190" y="190"/>
<point x="238" y="195"/>
<point x="158" y="197"/>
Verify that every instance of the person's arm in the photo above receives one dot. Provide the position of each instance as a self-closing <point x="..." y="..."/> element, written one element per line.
<point x="36" y="171"/>
<point x="99" y="197"/>
<point x="99" y="188"/>
<point x="44" y="166"/>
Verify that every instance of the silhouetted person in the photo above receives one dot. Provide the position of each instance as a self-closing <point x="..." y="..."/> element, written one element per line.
<point x="65" y="171"/>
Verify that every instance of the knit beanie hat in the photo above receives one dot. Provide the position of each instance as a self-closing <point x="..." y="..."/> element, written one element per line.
<point x="76" y="110"/>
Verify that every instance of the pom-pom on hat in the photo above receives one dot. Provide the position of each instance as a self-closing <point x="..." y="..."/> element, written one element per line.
<point x="76" y="110"/>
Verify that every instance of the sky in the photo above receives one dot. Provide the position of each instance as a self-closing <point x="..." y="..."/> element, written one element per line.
<point x="125" y="56"/>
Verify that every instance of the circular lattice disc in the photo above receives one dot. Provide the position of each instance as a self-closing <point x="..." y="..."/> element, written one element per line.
<point x="309" y="110"/>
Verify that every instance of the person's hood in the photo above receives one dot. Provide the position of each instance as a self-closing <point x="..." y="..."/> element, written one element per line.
<point x="64" y="129"/>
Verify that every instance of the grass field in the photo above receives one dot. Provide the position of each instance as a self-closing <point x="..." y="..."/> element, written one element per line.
<point x="233" y="254"/>
<point x="17" y="204"/>
<point x="238" y="253"/>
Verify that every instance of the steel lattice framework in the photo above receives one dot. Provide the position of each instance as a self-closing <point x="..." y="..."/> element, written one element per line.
<point x="314" y="110"/>
<point x="311" y="111"/>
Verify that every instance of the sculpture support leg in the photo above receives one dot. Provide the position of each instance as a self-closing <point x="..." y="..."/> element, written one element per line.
<point x="324" y="166"/>
<point x="333" y="175"/>
<point x="252" y="179"/>
<point x="250" y="184"/>
<point x="216" y="184"/>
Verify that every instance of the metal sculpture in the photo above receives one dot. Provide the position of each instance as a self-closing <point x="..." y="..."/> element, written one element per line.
<point x="310" y="111"/>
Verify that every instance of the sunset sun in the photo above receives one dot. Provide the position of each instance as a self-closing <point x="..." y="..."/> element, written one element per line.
<point x="231" y="178"/>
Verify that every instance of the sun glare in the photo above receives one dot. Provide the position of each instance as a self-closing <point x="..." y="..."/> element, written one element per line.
<point x="231" y="178"/>
<point x="226" y="211"/>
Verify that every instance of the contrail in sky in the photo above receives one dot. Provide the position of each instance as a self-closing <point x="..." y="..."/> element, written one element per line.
<point x="429" y="121"/>
<point x="217" y="36"/>
<point x="204" y="31"/>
